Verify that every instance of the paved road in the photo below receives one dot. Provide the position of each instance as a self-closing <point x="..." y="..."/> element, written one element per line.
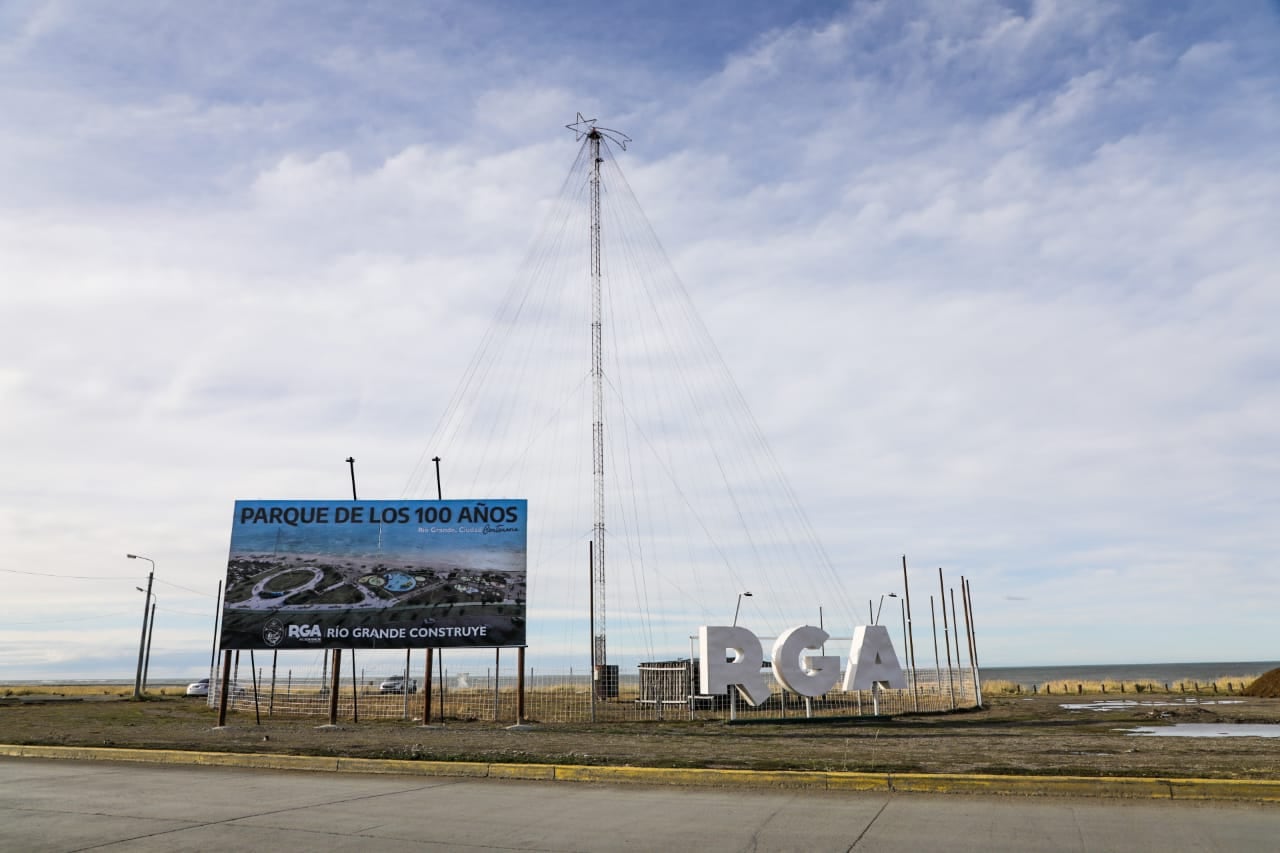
<point x="69" y="805"/>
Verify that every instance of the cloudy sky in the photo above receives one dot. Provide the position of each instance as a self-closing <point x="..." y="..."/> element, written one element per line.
<point x="998" y="281"/>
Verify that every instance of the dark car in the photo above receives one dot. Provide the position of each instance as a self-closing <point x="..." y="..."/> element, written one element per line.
<point x="395" y="684"/>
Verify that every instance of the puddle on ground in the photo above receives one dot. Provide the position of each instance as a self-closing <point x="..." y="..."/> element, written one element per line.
<point x="1124" y="704"/>
<point x="1209" y="730"/>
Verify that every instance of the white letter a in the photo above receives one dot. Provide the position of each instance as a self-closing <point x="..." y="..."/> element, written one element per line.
<point x="872" y="660"/>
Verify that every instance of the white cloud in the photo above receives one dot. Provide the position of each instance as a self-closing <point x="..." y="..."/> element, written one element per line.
<point x="997" y="284"/>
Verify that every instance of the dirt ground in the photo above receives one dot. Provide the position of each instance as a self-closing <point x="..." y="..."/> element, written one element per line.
<point x="1012" y="735"/>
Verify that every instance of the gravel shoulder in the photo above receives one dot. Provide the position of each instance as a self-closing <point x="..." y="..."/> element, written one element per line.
<point x="1012" y="735"/>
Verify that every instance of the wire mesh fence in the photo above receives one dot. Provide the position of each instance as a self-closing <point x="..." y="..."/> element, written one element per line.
<point x="653" y="691"/>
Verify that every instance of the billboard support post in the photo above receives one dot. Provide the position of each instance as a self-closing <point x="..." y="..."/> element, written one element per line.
<point x="335" y="685"/>
<point x="223" y="688"/>
<point x="520" y="686"/>
<point x="406" y="683"/>
<point x="426" y="690"/>
<point x="355" y="690"/>
<point x="253" y="677"/>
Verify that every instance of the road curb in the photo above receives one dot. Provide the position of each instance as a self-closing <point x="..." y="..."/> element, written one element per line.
<point x="1127" y="787"/>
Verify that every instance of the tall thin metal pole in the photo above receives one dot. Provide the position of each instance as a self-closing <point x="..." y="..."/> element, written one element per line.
<point x="973" y="638"/>
<point x="592" y="605"/>
<point x="911" y="637"/>
<point x="337" y="653"/>
<point x="351" y="461"/>
<point x="217" y="613"/>
<point x="973" y="633"/>
<point x="146" y="607"/>
<point x="599" y="633"/>
<point x="426" y="677"/>
<point x="151" y="632"/>
<point x="942" y="594"/>
<point x="955" y="629"/>
<point x="905" y="642"/>
<point x="937" y="663"/>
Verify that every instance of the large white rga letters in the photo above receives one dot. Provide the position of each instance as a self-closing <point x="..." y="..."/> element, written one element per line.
<point x="742" y="671"/>
<point x="804" y="674"/>
<point x="732" y="657"/>
<point x="872" y="660"/>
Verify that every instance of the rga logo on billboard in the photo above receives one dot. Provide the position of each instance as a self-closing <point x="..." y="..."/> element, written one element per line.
<point x="275" y="632"/>
<point x="305" y="633"/>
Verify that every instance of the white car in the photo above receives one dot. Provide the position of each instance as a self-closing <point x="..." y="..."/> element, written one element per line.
<point x="395" y="684"/>
<point x="201" y="688"/>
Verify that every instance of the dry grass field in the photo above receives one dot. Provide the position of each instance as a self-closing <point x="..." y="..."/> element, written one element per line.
<point x="1013" y="734"/>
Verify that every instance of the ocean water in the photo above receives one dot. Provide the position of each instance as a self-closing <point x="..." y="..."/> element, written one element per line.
<point x="1155" y="673"/>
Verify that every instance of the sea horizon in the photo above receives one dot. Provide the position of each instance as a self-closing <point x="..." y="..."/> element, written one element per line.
<point x="1158" y="673"/>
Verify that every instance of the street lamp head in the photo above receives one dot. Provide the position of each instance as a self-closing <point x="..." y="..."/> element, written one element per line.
<point x="132" y="556"/>
<point x="747" y="594"/>
<point x="139" y="589"/>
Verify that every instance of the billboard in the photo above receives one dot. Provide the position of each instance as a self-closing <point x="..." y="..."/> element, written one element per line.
<point x="376" y="574"/>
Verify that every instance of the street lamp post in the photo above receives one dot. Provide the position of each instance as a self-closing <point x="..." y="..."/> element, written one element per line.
<point x="902" y="602"/>
<point x="733" y="693"/>
<point x="142" y="643"/>
<point x="151" y="630"/>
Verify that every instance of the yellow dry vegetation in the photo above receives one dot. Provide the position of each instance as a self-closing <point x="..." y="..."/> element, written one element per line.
<point x="1227" y="685"/>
